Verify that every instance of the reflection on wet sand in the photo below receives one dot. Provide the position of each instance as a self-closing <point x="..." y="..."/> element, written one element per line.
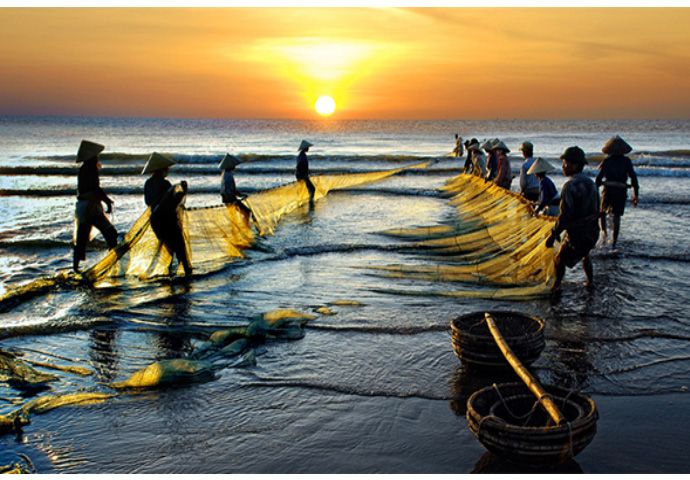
<point x="103" y="353"/>
<point x="492" y="464"/>
<point x="466" y="380"/>
<point x="569" y="359"/>
<point x="174" y="341"/>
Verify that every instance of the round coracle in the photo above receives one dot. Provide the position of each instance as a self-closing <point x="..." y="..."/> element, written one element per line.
<point x="508" y="420"/>
<point x="474" y="345"/>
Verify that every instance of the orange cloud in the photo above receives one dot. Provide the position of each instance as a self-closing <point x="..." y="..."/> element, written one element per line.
<point x="376" y="63"/>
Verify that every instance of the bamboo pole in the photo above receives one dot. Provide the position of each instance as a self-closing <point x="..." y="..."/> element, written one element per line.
<point x="523" y="373"/>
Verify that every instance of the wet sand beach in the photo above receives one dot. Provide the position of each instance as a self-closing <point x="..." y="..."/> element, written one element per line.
<point x="374" y="388"/>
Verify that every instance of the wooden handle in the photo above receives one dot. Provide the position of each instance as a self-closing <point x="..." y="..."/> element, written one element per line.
<point x="523" y="373"/>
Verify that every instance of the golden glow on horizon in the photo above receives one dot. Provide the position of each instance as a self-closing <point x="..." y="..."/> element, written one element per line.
<point x="311" y="65"/>
<point x="325" y="105"/>
<point x="320" y="59"/>
<point x="384" y="63"/>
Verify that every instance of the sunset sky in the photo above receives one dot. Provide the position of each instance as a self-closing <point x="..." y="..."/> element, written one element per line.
<point x="450" y="63"/>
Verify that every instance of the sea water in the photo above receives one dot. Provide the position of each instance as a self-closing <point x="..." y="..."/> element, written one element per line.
<point x="375" y="388"/>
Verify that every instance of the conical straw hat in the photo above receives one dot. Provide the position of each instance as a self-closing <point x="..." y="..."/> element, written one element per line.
<point x="499" y="145"/>
<point x="229" y="162"/>
<point x="88" y="150"/>
<point x="304" y="145"/>
<point x="474" y="145"/>
<point x="157" y="162"/>
<point x="488" y="144"/>
<point x="616" y="146"/>
<point x="540" y="166"/>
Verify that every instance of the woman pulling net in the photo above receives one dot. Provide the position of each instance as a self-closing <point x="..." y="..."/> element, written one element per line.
<point x="165" y="201"/>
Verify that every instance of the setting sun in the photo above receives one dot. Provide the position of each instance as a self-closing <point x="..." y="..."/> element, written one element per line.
<point x="325" y="105"/>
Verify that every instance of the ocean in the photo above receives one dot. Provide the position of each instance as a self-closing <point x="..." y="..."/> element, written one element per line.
<point x="375" y="388"/>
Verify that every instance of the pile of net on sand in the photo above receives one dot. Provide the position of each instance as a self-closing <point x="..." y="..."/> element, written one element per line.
<point x="495" y="247"/>
<point x="230" y="346"/>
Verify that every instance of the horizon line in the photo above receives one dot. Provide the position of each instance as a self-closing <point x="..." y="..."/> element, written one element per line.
<point x="331" y="119"/>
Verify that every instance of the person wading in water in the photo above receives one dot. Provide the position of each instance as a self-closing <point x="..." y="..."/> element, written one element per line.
<point x="228" y="190"/>
<point x="529" y="184"/>
<point x="548" y="198"/>
<point x="89" y="209"/>
<point x="614" y="172"/>
<point x="302" y="170"/>
<point x="165" y="201"/>
<point x="579" y="217"/>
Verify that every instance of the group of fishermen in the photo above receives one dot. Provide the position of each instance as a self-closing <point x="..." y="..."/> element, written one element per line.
<point x="164" y="199"/>
<point x="493" y="166"/>
<point x="578" y="207"/>
<point x="580" y="211"/>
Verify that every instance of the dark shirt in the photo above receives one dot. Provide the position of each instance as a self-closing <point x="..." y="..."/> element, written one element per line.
<point x="302" y="171"/>
<point x="504" y="175"/>
<point x="468" y="163"/>
<point x="547" y="193"/>
<point x="617" y="168"/>
<point x="228" y="189"/>
<point x="155" y="189"/>
<point x="88" y="183"/>
<point x="579" y="206"/>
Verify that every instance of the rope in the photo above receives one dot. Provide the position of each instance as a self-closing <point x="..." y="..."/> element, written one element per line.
<point x="484" y="419"/>
<point x="483" y="320"/>
<point x="526" y="416"/>
<point x="571" y="451"/>
<point x="570" y="428"/>
<point x="570" y="440"/>
<point x="205" y="207"/>
<point x="565" y="399"/>
<point x="28" y="461"/>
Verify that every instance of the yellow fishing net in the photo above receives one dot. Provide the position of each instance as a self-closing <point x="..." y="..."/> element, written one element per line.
<point x="213" y="236"/>
<point x="496" y="244"/>
<point x="218" y="234"/>
<point x="269" y="206"/>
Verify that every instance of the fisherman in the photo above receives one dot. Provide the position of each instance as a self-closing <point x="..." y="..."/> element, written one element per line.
<point x="548" y="198"/>
<point x="89" y="209"/>
<point x="616" y="168"/>
<point x="469" y="167"/>
<point x="302" y="170"/>
<point x="478" y="159"/>
<point x="491" y="160"/>
<point x="165" y="200"/>
<point x="228" y="190"/>
<point x="458" y="151"/>
<point x="504" y="175"/>
<point x="578" y="217"/>
<point x="529" y="184"/>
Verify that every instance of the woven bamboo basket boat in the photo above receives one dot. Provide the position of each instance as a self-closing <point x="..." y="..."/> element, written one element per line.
<point x="508" y="420"/>
<point x="473" y="344"/>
